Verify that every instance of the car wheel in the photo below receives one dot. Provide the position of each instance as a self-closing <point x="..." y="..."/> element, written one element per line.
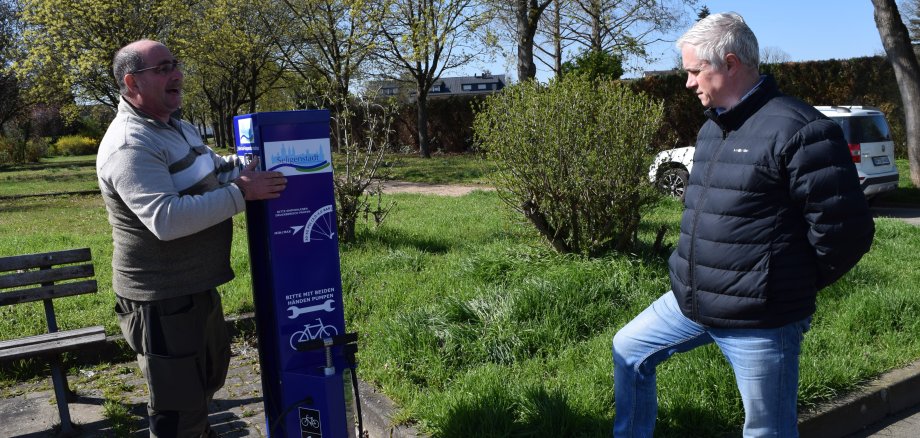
<point x="674" y="181"/>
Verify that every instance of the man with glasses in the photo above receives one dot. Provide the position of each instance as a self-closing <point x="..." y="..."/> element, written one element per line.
<point x="773" y="214"/>
<point x="170" y="200"/>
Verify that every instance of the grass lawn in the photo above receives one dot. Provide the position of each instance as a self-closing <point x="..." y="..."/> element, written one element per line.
<point x="475" y="328"/>
<point x="440" y="169"/>
<point x="906" y="193"/>
<point x="49" y="176"/>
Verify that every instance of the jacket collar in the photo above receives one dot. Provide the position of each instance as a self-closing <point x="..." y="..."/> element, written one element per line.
<point x="125" y="107"/>
<point x="736" y="116"/>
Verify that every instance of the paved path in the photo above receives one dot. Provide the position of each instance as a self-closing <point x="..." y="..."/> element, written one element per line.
<point x="903" y="425"/>
<point x="910" y="215"/>
<point x="432" y="189"/>
<point x="27" y="409"/>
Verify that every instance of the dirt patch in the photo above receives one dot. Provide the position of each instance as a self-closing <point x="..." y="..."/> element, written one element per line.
<point x="432" y="189"/>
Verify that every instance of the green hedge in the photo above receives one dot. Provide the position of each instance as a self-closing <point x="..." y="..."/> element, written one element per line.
<point x="859" y="81"/>
<point x="450" y="124"/>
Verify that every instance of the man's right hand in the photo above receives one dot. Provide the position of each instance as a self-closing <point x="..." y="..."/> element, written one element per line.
<point x="257" y="185"/>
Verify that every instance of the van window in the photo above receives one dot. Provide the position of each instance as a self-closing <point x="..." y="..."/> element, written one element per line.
<point x="864" y="129"/>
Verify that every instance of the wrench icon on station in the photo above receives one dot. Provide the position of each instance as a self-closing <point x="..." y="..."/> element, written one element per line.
<point x="297" y="311"/>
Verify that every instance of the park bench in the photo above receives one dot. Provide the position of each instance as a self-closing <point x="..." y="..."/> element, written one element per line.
<point x="46" y="276"/>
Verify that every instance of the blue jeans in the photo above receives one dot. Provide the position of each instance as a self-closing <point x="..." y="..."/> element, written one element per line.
<point x="765" y="362"/>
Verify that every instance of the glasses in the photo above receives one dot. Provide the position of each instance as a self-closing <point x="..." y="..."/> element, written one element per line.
<point x="162" y="69"/>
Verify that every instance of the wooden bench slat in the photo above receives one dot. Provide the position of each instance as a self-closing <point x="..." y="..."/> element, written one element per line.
<point x="29" y="261"/>
<point x="41" y="293"/>
<point x="46" y="276"/>
<point x="50" y="343"/>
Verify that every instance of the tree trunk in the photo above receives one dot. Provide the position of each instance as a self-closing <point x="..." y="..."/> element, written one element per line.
<point x="228" y="125"/>
<point x="422" y="103"/>
<point x="527" y="70"/>
<point x="527" y="16"/>
<point x="215" y="130"/>
<point x="557" y="38"/>
<point x="596" y="44"/>
<point x="900" y="53"/>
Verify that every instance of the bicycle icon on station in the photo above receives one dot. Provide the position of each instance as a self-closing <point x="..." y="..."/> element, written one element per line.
<point x="310" y="422"/>
<point x="320" y="226"/>
<point x="313" y="331"/>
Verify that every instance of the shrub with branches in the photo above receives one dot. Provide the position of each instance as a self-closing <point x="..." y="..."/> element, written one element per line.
<point x="362" y="133"/>
<point x="573" y="158"/>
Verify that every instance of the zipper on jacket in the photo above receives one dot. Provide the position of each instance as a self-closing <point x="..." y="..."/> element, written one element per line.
<point x="694" y="303"/>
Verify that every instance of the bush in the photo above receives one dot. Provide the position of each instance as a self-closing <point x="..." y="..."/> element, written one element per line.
<point x="572" y="157"/>
<point x="76" y="145"/>
<point x="362" y="137"/>
<point x="18" y="151"/>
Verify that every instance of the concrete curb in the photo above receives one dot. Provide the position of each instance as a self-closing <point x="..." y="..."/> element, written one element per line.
<point x="377" y="411"/>
<point x="890" y="394"/>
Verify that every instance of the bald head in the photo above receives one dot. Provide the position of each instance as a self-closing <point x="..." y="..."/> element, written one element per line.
<point x="149" y="77"/>
<point x="129" y="59"/>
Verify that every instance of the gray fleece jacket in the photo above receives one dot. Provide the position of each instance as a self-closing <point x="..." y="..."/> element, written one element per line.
<point x="170" y="200"/>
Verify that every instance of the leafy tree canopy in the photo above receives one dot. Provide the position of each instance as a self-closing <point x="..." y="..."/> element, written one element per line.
<point x="70" y="43"/>
<point x="595" y="65"/>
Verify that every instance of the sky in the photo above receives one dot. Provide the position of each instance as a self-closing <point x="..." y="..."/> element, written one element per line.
<point x="806" y="30"/>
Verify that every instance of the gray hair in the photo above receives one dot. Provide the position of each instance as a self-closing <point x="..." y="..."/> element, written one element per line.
<point x="127" y="60"/>
<point x="717" y="35"/>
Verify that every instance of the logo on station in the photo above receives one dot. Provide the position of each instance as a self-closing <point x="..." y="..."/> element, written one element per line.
<point x="298" y="156"/>
<point x="244" y="127"/>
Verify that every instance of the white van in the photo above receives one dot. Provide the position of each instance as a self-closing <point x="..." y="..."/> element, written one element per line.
<point x="869" y="139"/>
<point x="864" y="128"/>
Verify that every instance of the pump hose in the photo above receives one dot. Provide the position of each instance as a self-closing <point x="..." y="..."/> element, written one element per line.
<point x="354" y="384"/>
<point x="277" y="422"/>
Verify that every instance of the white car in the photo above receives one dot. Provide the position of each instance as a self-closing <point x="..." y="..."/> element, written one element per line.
<point x="864" y="128"/>
<point x="670" y="171"/>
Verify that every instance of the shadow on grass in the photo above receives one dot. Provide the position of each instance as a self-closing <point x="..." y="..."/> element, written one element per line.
<point x="900" y="197"/>
<point x="539" y="413"/>
<point x="43" y="166"/>
<point x="396" y="239"/>
<point x="30" y="202"/>
<point x="690" y="421"/>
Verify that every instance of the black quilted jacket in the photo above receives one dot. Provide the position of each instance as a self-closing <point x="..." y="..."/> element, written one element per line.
<point x="774" y="213"/>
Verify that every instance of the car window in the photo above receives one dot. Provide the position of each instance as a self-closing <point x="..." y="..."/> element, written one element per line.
<point x="864" y="129"/>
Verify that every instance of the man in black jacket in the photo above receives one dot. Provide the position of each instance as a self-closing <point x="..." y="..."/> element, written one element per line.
<point x="774" y="213"/>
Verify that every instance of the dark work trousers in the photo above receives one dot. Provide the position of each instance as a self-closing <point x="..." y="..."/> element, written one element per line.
<point x="183" y="350"/>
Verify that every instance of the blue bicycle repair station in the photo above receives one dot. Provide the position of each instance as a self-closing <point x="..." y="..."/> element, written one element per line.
<point x="304" y="349"/>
